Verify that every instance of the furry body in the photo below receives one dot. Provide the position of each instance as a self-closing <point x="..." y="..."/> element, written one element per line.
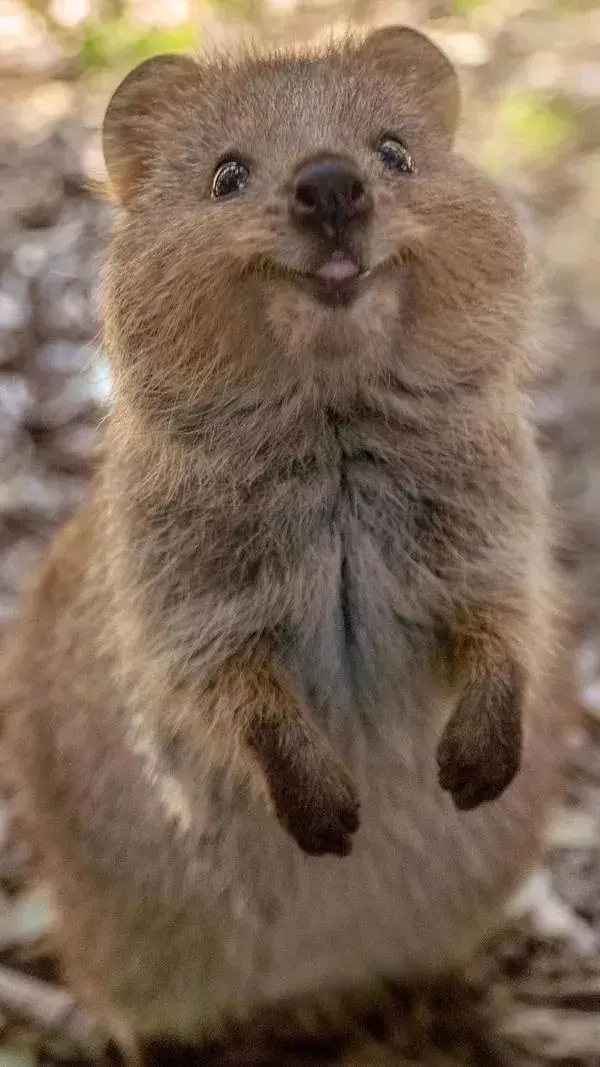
<point x="317" y="542"/>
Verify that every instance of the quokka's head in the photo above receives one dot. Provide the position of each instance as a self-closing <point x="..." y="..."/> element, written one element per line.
<point x="292" y="210"/>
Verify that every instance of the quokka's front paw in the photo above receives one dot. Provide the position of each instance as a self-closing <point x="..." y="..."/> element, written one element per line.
<point x="317" y="804"/>
<point x="480" y="750"/>
<point x="311" y="792"/>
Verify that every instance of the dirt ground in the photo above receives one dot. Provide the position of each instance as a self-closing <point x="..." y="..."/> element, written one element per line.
<point x="532" y="80"/>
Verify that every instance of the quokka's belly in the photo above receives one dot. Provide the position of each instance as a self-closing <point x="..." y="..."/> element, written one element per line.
<point x="421" y="889"/>
<point x="424" y="882"/>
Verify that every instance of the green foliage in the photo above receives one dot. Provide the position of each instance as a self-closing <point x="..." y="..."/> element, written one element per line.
<point x="244" y="10"/>
<point x="464" y="8"/>
<point x="528" y="128"/>
<point x="541" y="126"/>
<point x="123" y="42"/>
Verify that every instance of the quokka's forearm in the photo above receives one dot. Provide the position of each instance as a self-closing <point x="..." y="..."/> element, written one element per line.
<point x="480" y="750"/>
<point x="306" y="785"/>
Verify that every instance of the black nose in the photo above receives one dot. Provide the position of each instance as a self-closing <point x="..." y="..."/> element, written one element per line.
<point x="329" y="194"/>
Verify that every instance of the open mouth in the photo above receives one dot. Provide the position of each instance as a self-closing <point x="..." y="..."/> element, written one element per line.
<point x="337" y="281"/>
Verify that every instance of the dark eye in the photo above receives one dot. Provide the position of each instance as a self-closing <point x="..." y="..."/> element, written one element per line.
<point x="229" y="177"/>
<point x="394" y="155"/>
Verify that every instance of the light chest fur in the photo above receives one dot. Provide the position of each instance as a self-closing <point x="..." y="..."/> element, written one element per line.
<point x="344" y="538"/>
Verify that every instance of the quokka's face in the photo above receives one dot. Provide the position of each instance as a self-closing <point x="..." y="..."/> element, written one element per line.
<point x="319" y="193"/>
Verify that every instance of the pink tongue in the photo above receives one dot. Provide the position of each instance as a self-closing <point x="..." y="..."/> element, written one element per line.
<point x="338" y="270"/>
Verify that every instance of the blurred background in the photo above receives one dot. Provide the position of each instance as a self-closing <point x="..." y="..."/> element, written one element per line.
<point x="531" y="77"/>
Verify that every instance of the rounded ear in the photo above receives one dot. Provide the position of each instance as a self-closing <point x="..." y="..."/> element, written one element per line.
<point x="413" y="58"/>
<point x="139" y="116"/>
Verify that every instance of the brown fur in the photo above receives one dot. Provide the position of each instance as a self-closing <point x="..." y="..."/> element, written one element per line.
<point x="316" y="544"/>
